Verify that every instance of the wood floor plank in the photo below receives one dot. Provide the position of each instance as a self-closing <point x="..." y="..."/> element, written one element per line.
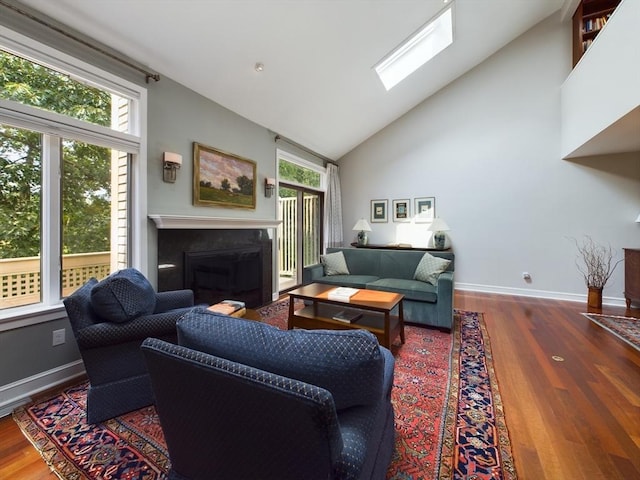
<point x="572" y="419"/>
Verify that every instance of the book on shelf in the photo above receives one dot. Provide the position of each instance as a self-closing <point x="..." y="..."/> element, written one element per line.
<point x="342" y="294"/>
<point x="234" y="308"/>
<point x="346" y="316"/>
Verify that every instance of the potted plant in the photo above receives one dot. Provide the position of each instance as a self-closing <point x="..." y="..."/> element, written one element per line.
<point x="596" y="264"/>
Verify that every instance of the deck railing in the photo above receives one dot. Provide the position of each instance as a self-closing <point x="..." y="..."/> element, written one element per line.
<point x="20" y="277"/>
<point x="289" y="230"/>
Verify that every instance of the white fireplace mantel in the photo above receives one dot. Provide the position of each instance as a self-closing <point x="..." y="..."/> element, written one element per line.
<point x="191" y="222"/>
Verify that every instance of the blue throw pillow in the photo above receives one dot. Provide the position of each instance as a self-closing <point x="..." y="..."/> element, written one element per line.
<point x="348" y="363"/>
<point x="123" y="296"/>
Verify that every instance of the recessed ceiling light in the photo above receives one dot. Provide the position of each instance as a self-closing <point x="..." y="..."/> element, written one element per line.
<point x="259" y="67"/>
<point x="417" y="50"/>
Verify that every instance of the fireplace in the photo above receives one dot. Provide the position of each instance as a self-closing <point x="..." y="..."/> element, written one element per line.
<point x="234" y="273"/>
<point x="217" y="264"/>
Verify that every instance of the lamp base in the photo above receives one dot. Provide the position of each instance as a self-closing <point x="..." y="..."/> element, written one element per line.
<point x="362" y="238"/>
<point x="439" y="240"/>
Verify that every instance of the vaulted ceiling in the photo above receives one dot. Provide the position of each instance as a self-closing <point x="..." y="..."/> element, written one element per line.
<point x="318" y="86"/>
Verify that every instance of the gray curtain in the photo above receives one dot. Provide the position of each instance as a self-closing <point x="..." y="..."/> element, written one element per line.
<point x="333" y="209"/>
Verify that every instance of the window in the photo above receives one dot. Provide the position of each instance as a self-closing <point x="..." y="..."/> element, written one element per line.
<point x="70" y="145"/>
<point x="421" y="47"/>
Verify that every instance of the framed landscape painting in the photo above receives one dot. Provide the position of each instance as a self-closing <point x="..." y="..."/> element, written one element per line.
<point x="425" y="209"/>
<point x="401" y="210"/>
<point x="379" y="210"/>
<point x="222" y="179"/>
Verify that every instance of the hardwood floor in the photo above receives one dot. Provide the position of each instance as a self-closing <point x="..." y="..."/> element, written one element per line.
<point x="571" y="419"/>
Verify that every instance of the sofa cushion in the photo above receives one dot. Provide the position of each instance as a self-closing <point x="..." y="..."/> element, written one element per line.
<point x="334" y="264"/>
<point x="123" y="296"/>
<point x="348" y="363"/>
<point x="411" y="289"/>
<point x="430" y="267"/>
<point x="356" y="281"/>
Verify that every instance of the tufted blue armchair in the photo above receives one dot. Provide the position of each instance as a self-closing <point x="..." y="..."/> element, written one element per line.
<point x="245" y="400"/>
<point x="110" y="319"/>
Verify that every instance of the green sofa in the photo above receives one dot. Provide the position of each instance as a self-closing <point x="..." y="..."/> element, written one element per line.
<point x="393" y="270"/>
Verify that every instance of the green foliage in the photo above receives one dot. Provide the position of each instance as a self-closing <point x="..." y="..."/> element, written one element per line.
<point x="303" y="176"/>
<point x="86" y="168"/>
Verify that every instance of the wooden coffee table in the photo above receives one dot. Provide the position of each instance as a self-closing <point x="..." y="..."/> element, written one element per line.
<point x="375" y="307"/>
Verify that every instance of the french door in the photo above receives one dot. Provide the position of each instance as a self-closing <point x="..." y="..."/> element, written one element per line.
<point x="299" y="234"/>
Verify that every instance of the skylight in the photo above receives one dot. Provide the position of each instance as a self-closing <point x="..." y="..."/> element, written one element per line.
<point x="421" y="47"/>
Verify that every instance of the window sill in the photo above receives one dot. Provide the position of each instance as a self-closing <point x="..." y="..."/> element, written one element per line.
<point x="26" y="316"/>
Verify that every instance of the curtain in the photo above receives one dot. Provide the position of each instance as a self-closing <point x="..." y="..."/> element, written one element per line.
<point x="333" y="209"/>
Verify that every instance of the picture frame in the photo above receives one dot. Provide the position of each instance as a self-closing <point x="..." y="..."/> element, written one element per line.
<point x="424" y="209"/>
<point x="222" y="179"/>
<point x="401" y="210"/>
<point x="379" y="211"/>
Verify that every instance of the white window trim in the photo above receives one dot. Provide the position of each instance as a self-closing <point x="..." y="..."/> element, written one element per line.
<point x="135" y="142"/>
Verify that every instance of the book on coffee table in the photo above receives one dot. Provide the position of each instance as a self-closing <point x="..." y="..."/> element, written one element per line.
<point x="342" y="294"/>
<point x="347" y="317"/>
<point x="234" y="308"/>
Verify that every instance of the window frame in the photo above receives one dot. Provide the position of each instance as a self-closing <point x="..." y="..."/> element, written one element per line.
<point x="55" y="127"/>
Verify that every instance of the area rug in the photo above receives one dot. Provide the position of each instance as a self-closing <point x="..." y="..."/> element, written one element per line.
<point x="449" y="417"/>
<point x="625" y="328"/>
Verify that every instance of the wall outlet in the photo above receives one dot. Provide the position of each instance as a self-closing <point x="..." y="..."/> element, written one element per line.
<point x="58" y="337"/>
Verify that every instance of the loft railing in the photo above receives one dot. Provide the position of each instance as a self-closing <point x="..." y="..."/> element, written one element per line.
<point x="20" y="277"/>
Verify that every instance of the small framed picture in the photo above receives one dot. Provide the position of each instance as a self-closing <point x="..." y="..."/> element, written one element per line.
<point x="401" y="210"/>
<point x="379" y="211"/>
<point x="424" y="209"/>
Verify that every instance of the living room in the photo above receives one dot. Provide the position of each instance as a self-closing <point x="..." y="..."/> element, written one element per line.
<point x="488" y="147"/>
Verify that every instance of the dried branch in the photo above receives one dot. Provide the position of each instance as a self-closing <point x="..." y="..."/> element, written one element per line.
<point x="595" y="262"/>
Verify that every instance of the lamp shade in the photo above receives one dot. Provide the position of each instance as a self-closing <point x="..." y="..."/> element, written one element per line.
<point x="438" y="225"/>
<point x="362" y="225"/>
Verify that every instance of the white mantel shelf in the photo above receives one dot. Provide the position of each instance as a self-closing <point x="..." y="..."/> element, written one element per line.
<point x="190" y="222"/>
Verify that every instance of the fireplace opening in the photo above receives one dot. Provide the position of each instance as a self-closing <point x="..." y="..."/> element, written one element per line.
<point x="216" y="275"/>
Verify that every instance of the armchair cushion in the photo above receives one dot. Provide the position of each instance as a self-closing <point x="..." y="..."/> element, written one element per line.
<point x="347" y="363"/>
<point x="123" y="296"/>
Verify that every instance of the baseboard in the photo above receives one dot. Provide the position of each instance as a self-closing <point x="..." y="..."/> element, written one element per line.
<point x="21" y="392"/>
<point x="526" y="292"/>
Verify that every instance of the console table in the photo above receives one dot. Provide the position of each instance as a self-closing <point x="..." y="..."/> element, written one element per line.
<point x="631" y="275"/>
<point x="399" y="247"/>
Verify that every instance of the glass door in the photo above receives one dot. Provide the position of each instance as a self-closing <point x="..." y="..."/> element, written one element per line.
<point x="299" y="234"/>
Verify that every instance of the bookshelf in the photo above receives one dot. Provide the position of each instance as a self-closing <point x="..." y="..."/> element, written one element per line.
<point x="590" y="17"/>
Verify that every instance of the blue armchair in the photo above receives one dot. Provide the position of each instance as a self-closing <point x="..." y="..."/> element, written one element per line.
<point x="245" y="400"/>
<point x="110" y="320"/>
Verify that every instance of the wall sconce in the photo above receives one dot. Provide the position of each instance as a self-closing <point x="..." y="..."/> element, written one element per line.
<point x="269" y="186"/>
<point x="171" y="163"/>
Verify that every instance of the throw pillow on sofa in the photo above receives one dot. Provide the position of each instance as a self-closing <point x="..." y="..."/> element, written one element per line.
<point x="334" y="264"/>
<point x="123" y="296"/>
<point x="430" y="268"/>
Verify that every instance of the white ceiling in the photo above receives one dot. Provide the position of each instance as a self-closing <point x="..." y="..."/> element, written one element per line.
<point x="318" y="87"/>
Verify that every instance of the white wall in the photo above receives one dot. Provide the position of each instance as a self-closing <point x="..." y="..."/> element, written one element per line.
<point x="488" y="148"/>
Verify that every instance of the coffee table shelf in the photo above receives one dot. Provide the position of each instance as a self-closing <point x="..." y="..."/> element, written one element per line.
<point x="374" y="306"/>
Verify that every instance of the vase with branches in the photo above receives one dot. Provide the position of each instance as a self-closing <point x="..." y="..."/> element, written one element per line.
<point x="596" y="263"/>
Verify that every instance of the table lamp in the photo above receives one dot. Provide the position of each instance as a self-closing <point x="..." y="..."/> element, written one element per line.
<point x="363" y="226"/>
<point x="438" y="227"/>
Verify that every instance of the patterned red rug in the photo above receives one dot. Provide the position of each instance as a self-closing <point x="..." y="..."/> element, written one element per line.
<point x="449" y="417"/>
